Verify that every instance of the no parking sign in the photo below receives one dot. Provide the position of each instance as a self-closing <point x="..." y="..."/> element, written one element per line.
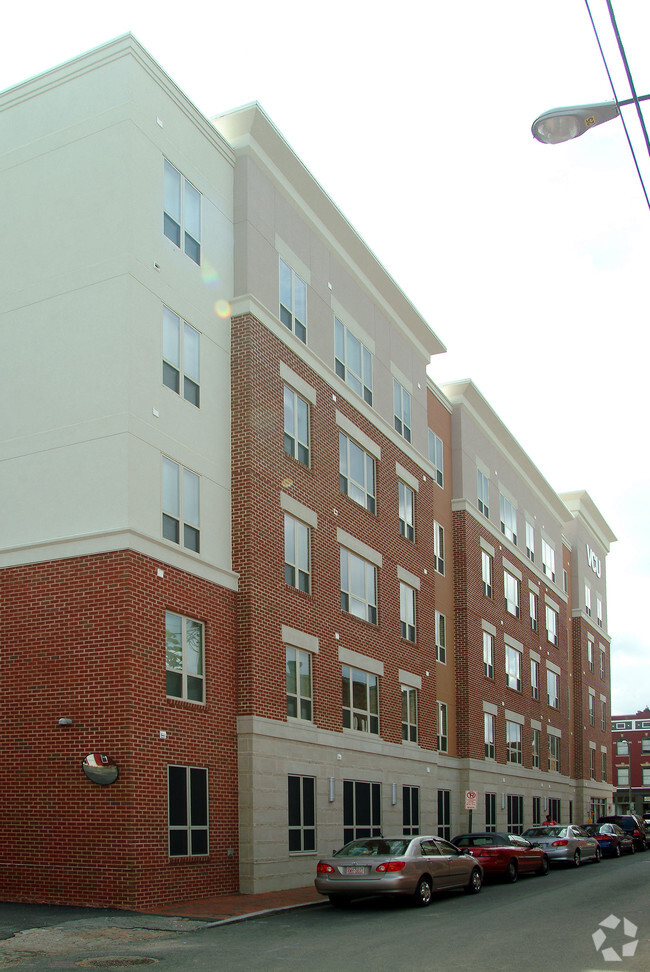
<point x="471" y="799"/>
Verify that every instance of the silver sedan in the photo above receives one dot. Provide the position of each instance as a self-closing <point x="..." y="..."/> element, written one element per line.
<point x="415" y="866"/>
<point x="570" y="844"/>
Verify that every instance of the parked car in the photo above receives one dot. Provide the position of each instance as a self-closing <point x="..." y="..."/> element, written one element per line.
<point x="633" y="824"/>
<point x="416" y="866"/>
<point x="613" y="840"/>
<point x="506" y="855"/>
<point x="568" y="844"/>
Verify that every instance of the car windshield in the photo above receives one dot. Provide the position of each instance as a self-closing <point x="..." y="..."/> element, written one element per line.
<point x="545" y="832"/>
<point x="373" y="846"/>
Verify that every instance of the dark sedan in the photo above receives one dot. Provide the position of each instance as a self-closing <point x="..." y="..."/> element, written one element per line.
<point x="612" y="839"/>
<point x="505" y="855"/>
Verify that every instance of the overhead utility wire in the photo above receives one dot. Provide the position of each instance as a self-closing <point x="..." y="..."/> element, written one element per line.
<point x="636" y="100"/>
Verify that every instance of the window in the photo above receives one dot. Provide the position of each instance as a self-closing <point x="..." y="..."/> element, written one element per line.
<point x="565" y="581"/>
<point x="603" y="716"/>
<point x="361" y="810"/>
<point x="535" y="748"/>
<point x="587" y="600"/>
<point x="489" y="723"/>
<point x="553" y="689"/>
<point x="645" y="776"/>
<point x="181" y="354"/>
<point x="296" y="426"/>
<point x="555" y="809"/>
<point x="551" y="625"/>
<point x="360" y="700"/>
<point x="402" y="410"/>
<point x="622" y="776"/>
<point x="548" y="559"/>
<point x="488" y="654"/>
<point x="184" y="658"/>
<point x="486" y="572"/>
<point x="301" y="805"/>
<point x="187" y="792"/>
<point x="180" y="503"/>
<point x="410" y="811"/>
<point x="511" y="593"/>
<point x="515" y="814"/>
<point x="592" y="710"/>
<point x="490" y="813"/>
<point x="622" y="748"/>
<point x="443" y="734"/>
<point x="513" y="668"/>
<point x="299" y="684"/>
<point x="537" y="811"/>
<point x="483" y="490"/>
<point x="603" y="769"/>
<point x="358" y="586"/>
<point x="444" y="814"/>
<point x="406" y="511"/>
<point x="508" y="518"/>
<point x="534" y="678"/>
<point x="590" y="655"/>
<point x="356" y="473"/>
<point x="532" y="601"/>
<point x="513" y="741"/>
<point x="439" y="547"/>
<point x="352" y="361"/>
<point x="435" y="456"/>
<point x="554" y="756"/>
<point x="602" y="663"/>
<point x="182" y="212"/>
<point x="599" y="612"/>
<point x="409" y="714"/>
<point x="441" y="637"/>
<point x="645" y="744"/>
<point x="296" y="553"/>
<point x="530" y="541"/>
<point x="407" y="612"/>
<point x="293" y="301"/>
<point x="592" y="762"/>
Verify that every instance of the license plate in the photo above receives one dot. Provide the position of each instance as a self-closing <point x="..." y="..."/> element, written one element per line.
<point x="355" y="870"/>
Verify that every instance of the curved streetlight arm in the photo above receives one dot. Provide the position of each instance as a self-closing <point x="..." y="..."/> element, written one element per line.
<point x="563" y="124"/>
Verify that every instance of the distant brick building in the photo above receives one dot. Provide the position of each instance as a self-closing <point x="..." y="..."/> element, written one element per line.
<point x="631" y="762"/>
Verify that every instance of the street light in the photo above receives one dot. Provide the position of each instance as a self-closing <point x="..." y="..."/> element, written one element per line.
<point x="563" y="124"/>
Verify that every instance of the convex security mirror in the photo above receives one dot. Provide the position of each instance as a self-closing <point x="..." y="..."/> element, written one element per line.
<point x="100" y="769"/>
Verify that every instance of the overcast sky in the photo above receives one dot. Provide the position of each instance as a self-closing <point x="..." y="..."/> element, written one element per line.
<point x="529" y="261"/>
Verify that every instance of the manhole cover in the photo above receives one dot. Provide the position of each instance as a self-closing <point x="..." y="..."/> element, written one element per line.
<point x="116" y="962"/>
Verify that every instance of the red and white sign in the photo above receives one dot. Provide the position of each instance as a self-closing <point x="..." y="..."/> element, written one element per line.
<point x="471" y="800"/>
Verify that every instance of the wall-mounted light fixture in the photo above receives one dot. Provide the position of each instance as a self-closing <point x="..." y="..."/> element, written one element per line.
<point x="394" y="793"/>
<point x="331" y="794"/>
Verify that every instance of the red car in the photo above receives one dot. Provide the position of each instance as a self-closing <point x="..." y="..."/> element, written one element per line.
<point x="506" y="855"/>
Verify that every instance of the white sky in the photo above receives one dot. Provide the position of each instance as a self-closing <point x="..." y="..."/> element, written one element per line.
<point x="529" y="261"/>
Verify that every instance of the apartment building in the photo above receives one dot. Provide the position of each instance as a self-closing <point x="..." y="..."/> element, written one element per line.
<point x="266" y="586"/>
<point x="631" y="762"/>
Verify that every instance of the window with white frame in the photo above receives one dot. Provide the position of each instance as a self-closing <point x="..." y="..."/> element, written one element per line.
<point x="296" y="426"/>
<point x="551" y="625"/>
<point x="297" y="538"/>
<point x="358" y="586"/>
<point x="360" y="700"/>
<point x="407" y="611"/>
<point x="443" y="731"/>
<point x="301" y="805"/>
<point x="513" y="742"/>
<point x="508" y="518"/>
<point x="293" y="301"/>
<point x="622" y="747"/>
<point x="553" y="689"/>
<point x="603" y="715"/>
<point x="439" y="547"/>
<point x="534" y="678"/>
<point x="486" y="572"/>
<point x="645" y="744"/>
<point x="554" y="755"/>
<point x="402" y="410"/>
<point x="548" y="559"/>
<point x="409" y="714"/>
<point x="534" y="742"/>
<point x="592" y="710"/>
<point x="406" y="497"/>
<point x="182" y="212"/>
<point x="530" y="541"/>
<point x="511" y="593"/>
<point x="513" y="668"/>
<point x="361" y="810"/>
<point x="180" y="505"/>
<point x="490" y="813"/>
<point x="622" y="776"/>
<point x="181" y="357"/>
<point x="184" y="658"/>
<point x="483" y="491"/>
<point x="489" y="723"/>
<point x="565" y="581"/>
<point x="592" y="763"/>
<point x="435" y="456"/>
<point x="441" y="637"/>
<point x="590" y="655"/>
<point x="602" y="663"/>
<point x="187" y="801"/>
<point x="599" y="612"/>
<point x="645" y="776"/>
<point x="488" y="654"/>
<point x="299" y="683"/>
<point x="410" y="811"/>
<point x="356" y="473"/>
<point x="603" y="767"/>
<point x="587" y="600"/>
<point x="532" y="606"/>
<point x="352" y="361"/>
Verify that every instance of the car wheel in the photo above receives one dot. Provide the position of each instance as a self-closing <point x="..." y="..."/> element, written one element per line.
<point x="339" y="900"/>
<point x="422" y="896"/>
<point x="597" y="856"/>
<point x="576" y="859"/>
<point x="617" y="852"/>
<point x="543" y="868"/>
<point x="475" y="882"/>
<point x="512" y="872"/>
